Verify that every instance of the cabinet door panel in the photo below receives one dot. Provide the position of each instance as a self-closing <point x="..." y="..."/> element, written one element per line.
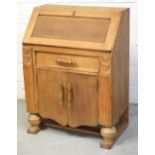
<point x="51" y="95"/>
<point x="82" y="100"/>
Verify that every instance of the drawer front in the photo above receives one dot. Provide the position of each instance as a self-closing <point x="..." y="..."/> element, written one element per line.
<point x="72" y="62"/>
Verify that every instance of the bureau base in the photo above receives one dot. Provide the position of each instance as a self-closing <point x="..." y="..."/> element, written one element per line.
<point x="110" y="135"/>
<point x="76" y="69"/>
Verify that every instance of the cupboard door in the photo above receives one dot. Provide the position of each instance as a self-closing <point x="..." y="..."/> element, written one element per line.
<point x="51" y="95"/>
<point x="82" y="100"/>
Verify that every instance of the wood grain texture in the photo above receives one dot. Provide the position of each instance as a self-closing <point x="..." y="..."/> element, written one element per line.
<point x="71" y="28"/>
<point x="77" y="112"/>
<point x="75" y="30"/>
<point x="29" y="79"/>
<point x="115" y="77"/>
<point x="48" y="84"/>
<point x="120" y="69"/>
<point x="105" y="90"/>
<point x="105" y="101"/>
<point x="66" y="51"/>
<point x="71" y="62"/>
<point x="75" y="75"/>
<point x="84" y="105"/>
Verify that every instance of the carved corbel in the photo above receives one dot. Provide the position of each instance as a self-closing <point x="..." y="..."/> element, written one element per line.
<point x="105" y="64"/>
<point x="27" y="56"/>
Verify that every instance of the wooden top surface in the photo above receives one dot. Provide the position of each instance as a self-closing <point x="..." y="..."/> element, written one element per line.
<point x="93" y="28"/>
<point x="59" y="7"/>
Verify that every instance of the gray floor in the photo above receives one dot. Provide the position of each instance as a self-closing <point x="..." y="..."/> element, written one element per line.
<point x="57" y="142"/>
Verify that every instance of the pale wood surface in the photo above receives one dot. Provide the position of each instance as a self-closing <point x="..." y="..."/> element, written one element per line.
<point x="78" y="83"/>
<point x="35" y="122"/>
<point x="29" y="79"/>
<point x="105" y="101"/>
<point x="85" y="38"/>
<point x="84" y="107"/>
<point x="110" y="135"/>
<point x="80" y="63"/>
<point x="105" y="90"/>
<point x="120" y="69"/>
<point x="71" y="28"/>
<point x="48" y="84"/>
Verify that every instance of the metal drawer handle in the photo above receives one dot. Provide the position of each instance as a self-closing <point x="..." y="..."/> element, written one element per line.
<point x="65" y="62"/>
<point x="69" y="94"/>
<point x="61" y="95"/>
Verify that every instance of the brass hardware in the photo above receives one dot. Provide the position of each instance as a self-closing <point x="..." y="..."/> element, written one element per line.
<point x="69" y="94"/>
<point x="65" y="62"/>
<point x="61" y="95"/>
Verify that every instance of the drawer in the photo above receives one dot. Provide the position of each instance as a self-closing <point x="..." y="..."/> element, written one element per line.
<point x="73" y="62"/>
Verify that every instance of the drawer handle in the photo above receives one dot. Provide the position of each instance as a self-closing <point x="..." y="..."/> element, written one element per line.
<point x="69" y="94"/>
<point x="61" y="95"/>
<point x="65" y="62"/>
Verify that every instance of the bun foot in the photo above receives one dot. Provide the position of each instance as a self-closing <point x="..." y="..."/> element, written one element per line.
<point x="109" y="135"/>
<point x="34" y="121"/>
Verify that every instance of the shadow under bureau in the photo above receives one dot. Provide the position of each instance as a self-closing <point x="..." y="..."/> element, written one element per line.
<point x="76" y="69"/>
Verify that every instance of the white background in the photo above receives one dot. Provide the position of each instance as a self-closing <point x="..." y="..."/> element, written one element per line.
<point x="24" y="12"/>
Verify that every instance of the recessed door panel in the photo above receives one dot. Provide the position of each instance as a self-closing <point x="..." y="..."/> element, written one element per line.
<point x="51" y="95"/>
<point x="82" y="100"/>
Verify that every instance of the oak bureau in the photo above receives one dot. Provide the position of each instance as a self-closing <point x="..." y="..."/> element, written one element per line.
<point x="76" y="69"/>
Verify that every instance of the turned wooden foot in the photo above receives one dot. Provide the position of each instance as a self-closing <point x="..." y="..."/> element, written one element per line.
<point x="109" y="135"/>
<point x="34" y="121"/>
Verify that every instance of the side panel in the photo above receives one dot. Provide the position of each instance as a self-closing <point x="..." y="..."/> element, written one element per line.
<point x="120" y="69"/>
